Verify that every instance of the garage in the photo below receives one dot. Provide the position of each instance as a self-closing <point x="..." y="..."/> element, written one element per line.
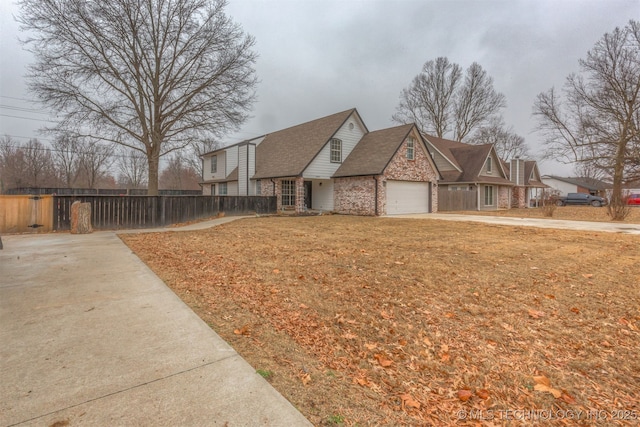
<point x="406" y="197"/>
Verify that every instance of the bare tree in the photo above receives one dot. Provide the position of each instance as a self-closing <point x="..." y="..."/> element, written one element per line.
<point x="179" y="175"/>
<point x="132" y="168"/>
<point x="38" y="164"/>
<point x="599" y="121"/>
<point x="12" y="165"/>
<point x="66" y="156"/>
<point x="193" y="157"/>
<point x="440" y="101"/>
<point x="152" y="75"/>
<point x="509" y="145"/>
<point x="95" y="160"/>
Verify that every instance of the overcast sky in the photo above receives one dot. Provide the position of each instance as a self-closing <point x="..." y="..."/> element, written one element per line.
<point x="321" y="57"/>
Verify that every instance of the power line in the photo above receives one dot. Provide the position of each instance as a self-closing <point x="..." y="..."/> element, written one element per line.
<point x="28" y="118"/>
<point x="18" y="99"/>
<point x="24" y="109"/>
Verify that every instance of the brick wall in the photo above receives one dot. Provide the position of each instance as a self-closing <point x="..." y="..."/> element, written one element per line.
<point x="355" y="195"/>
<point x="504" y="197"/>
<point x="420" y="169"/>
<point x="518" y="199"/>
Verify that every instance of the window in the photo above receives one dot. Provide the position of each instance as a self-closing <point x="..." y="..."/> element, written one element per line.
<point x="336" y="151"/>
<point x="489" y="165"/>
<point x="488" y="195"/>
<point x="288" y="193"/>
<point x="214" y="164"/>
<point x="411" y="144"/>
<point x="258" y="188"/>
<point x="222" y="188"/>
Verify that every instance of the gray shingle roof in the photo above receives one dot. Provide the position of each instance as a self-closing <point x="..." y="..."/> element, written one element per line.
<point x="287" y="152"/>
<point x="470" y="158"/>
<point x="374" y="152"/>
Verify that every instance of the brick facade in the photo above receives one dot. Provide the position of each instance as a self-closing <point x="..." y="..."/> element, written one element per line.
<point x="518" y="198"/>
<point x="357" y="195"/>
<point x="504" y="197"/>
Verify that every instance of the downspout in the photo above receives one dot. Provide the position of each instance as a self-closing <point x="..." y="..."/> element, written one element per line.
<point x="375" y="183"/>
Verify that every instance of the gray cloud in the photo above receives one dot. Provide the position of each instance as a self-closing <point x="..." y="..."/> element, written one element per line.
<point x="320" y="57"/>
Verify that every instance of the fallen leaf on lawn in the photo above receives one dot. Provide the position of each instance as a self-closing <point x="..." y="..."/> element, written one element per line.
<point x="575" y="310"/>
<point x="383" y="361"/>
<point x="474" y="252"/>
<point x="550" y="296"/>
<point x="399" y="262"/>
<point x="371" y="346"/>
<point x="536" y="314"/>
<point x="543" y="384"/>
<point x="606" y="344"/>
<point x="242" y="331"/>
<point x="409" y="401"/>
<point x="386" y="315"/>
<point x="304" y="306"/>
<point x="305" y="378"/>
<point x="482" y="394"/>
<point x="464" y="395"/>
<point x="362" y="381"/>
<point x="349" y="336"/>
<point x="276" y="271"/>
<point x="449" y="315"/>
<point x="587" y="276"/>
<point x="567" y="398"/>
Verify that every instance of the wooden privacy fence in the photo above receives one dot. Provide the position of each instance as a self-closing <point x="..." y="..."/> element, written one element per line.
<point x="26" y="214"/>
<point x="459" y="200"/>
<point x="114" y="212"/>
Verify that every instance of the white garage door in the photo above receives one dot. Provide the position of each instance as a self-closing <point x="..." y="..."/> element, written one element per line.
<point x="405" y="197"/>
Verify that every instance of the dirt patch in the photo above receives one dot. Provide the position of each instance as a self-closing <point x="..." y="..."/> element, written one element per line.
<point x="575" y="213"/>
<point x="381" y="321"/>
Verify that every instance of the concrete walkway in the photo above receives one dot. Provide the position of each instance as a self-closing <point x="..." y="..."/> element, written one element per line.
<point x="90" y="336"/>
<point x="611" y="227"/>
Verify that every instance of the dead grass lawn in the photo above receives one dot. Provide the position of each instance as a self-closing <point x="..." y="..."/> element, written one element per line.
<point x="382" y="321"/>
<point x="577" y="213"/>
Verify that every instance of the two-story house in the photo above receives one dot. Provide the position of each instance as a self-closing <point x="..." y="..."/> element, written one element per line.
<point x="330" y="164"/>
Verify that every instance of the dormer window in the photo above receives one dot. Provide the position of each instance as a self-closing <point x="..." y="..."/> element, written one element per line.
<point x="411" y="144"/>
<point x="489" y="165"/>
<point x="336" y="150"/>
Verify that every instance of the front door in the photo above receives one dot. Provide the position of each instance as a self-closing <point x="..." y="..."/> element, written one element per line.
<point x="307" y="194"/>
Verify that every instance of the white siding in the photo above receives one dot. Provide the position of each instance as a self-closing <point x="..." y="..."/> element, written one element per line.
<point x="562" y="187"/>
<point x="321" y="166"/>
<point x="322" y="195"/>
<point x="220" y="173"/>
<point x="242" y="170"/>
<point x="232" y="188"/>
<point x="251" y="152"/>
<point x="232" y="159"/>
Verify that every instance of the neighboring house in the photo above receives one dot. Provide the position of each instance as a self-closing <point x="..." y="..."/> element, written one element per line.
<point x="563" y="186"/>
<point x="330" y="164"/>
<point x="528" y="183"/>
<point x="473" y="176"/>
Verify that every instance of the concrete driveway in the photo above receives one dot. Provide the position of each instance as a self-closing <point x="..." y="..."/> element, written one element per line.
<point x="90" y="336"/>
<point x="610" y="227"/>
